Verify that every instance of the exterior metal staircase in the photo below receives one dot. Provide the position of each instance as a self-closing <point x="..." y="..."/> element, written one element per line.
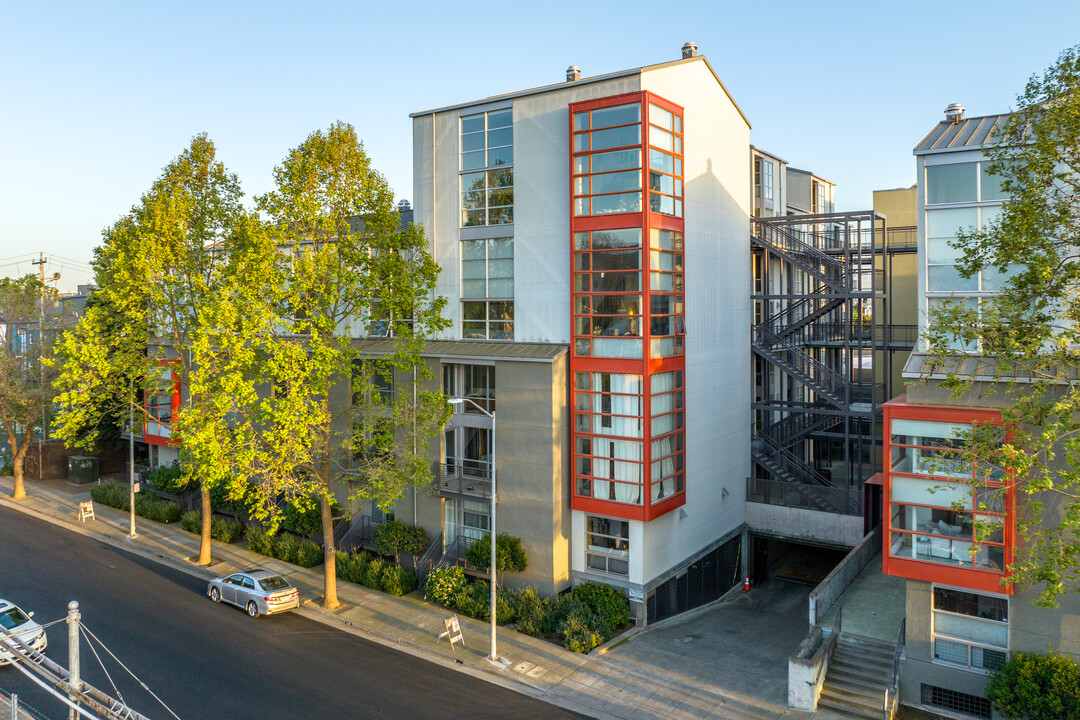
<point x="834" y="270"/>
<point x="860" y="676"/>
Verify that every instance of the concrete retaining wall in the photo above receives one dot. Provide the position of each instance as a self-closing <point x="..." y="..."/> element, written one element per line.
<point x="834" y="584"/>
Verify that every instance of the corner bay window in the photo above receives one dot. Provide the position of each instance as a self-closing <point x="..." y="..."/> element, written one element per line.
<point x="970" y="630"/>
<point x="607" y="545"/>
<point x="935" y="514"/>
<point x="608" y="464"/>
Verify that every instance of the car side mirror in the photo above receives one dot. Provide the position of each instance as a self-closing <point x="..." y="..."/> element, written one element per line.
<point x="31" y="614"/>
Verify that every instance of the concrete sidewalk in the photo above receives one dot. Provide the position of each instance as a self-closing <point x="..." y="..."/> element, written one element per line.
<point x="678" y="669"/>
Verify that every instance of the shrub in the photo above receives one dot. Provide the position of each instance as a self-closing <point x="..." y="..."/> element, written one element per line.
<point x="113" y="494"/>
<point x="285" y="546"/>
<point x="443" y="584"/>
<point x="116" y="495"/>
<point x="307" y="554"/>
<point x="394" y="536"/>
<point x="607" y="602"/>
<point x="259" y="540"/>
<point x="350" y="566"/>
<point x="372" y="577"/>
<point x="474" y="600"/>
<point x="1036" y="687"/>
<point x="220" y="529"/>
<point x="171" y="479"/>
<point x="397" y="581"/>
<point x="304" y="515"/>
<point x="558" y="609"/>
<point x="579" y="633"/>
<point x="510" y="555"/>
<point x="529" y="611"/>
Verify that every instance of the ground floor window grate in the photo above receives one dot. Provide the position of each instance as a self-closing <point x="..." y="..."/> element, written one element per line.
<point x="703" y="581"/>
<point x="956" y="701"/>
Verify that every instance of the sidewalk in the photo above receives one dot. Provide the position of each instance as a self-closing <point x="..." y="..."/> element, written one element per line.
<point x="655" y="674"/>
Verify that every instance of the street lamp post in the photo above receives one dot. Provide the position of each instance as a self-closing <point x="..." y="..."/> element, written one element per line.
<point x="493" y="656"/>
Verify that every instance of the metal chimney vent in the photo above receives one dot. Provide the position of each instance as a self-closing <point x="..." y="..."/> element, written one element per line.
<point x="404" y="206"/>
<point x="689" y="50"/>
<point x="954" y="113"/>
<point x="573" y="73"/>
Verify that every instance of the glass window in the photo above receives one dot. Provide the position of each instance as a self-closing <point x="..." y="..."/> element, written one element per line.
<point x="970" y="629"/>
<point x="951" y="183"/>
<point x="487" y="268"/>
<point x="990" y="185"/>
<point x="607" y="545"/>
<point x="618" y="115"/>
<point x="487" y="141"/>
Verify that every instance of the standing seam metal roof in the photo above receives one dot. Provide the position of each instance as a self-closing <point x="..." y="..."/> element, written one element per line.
<point x="967" y="134"/>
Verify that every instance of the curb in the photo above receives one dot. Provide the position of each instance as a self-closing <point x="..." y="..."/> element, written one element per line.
<point x="317" y="614"/>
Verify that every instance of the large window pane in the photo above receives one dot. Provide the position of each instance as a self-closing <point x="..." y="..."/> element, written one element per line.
<point x="616" y="137"/>
<point x="625" y="202"/>
<point x="951" y="183"/>
<point x="616" y="182"/>
<point x="616" y="160"/>
<point x="618" y="115"/>
<point x="945" y="223"/>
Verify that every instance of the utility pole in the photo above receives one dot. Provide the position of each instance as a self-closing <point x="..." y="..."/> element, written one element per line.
<point x="40" y="262"/>
<point x="74" y="683"/>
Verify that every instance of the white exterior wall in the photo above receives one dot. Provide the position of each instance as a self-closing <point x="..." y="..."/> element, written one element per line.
<point x="718" y="281"/>
<point x="541" y="228"/>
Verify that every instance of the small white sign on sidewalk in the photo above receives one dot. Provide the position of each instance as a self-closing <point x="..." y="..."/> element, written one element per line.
<point x="452" y="632"/>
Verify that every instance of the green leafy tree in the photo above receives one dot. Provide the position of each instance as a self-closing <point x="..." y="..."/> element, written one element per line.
<point x="347" y="270"/>
<point x="394" y="536"/>
<point x="510" y="555"/>
<point x="170" y="272"/>
<point x="1030" y="331"/>
<point x="29" y="325"/>
<point x="1036" y="687"/>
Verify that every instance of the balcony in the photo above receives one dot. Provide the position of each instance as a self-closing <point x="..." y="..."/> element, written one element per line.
<point x="470" y="479"/>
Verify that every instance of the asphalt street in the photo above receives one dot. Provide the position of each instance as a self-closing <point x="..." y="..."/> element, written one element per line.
<point x="206" y="660"/>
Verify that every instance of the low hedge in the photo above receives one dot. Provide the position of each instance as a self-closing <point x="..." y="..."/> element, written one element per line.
<point x="582" y="619"/>
<point x="375" y="573"/>
<point x="284" y="546"/>
<point x="220" y="529"/>
<point x="117" y="495"/>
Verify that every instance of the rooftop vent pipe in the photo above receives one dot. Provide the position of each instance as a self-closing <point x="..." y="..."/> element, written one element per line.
<point x="573" y="73"/>
<point x="404" y="206"/>
<point x="954" y="113"/>
<point x="689" y="50"/>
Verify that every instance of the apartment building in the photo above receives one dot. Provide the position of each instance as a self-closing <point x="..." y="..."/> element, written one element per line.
<point x="593" y="238"/>
<point x="962" y="622"/>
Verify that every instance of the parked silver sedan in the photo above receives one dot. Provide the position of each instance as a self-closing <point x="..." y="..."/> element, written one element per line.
<point x="19" y="630"/>
<point x="259" y="592"/>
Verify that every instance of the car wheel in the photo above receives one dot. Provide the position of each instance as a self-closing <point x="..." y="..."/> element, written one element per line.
<point x="252" y="608"/>
<point x="215" y="594"/>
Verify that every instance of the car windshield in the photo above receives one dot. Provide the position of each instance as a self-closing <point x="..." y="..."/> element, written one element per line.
<point x="12" y="618"/>
<point x="274" y="582"/>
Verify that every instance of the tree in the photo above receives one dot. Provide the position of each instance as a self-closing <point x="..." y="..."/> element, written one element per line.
<point x="1036" y="687"/>
<point x="1030" y="331"/>
<point x="510" y="554"/>
<point x="348" y="269"/>
<point x="168" y="273"/>
<point x="29" y="325"/>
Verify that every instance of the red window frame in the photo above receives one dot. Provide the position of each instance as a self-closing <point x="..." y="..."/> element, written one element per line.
<point x="973" y="578"/>
<point x="174" y="406"/>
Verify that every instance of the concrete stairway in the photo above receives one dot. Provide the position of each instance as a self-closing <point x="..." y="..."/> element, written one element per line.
<point x="860" y="670"/>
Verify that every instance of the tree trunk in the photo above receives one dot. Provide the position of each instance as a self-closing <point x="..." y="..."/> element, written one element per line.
<point x="17" y="457"/>
<point x="204" y="541"/>
<point x="330" y="599"/>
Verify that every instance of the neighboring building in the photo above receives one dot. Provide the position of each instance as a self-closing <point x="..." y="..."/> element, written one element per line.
<point x="961" y="621"/>
<point x="593" y="239"/>
<point x="808" y="194"/>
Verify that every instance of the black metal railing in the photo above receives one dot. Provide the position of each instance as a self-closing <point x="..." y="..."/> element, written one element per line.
<point x="428" y="561"/>
<point x="841" y="500"/>
<point x="468" y="477"/>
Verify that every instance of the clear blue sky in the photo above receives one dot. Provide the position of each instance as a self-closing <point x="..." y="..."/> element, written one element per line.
<point x="96" y="97"/>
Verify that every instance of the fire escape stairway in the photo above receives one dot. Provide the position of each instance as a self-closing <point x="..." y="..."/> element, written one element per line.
<point x="860" y="671"/>
<point x="776" y="339"/>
